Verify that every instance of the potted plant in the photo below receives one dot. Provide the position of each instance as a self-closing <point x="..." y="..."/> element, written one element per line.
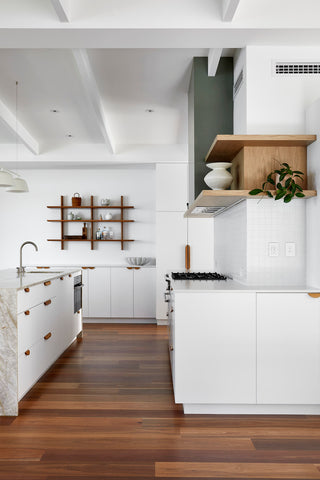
<point x="283" y="180"/>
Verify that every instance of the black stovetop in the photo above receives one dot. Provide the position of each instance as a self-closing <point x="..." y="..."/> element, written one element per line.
<point x="197" y="276"/>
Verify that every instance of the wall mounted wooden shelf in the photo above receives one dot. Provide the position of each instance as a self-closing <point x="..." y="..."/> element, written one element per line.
<point x="92" y="221"/>
<point x="226" y="147"/>
<point x="222" y="200"/>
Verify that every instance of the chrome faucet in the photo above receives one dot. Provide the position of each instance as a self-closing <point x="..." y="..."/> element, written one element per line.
<point x="22" y="269"/>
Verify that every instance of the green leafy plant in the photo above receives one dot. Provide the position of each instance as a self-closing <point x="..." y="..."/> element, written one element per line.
<point x="284" y="182"/>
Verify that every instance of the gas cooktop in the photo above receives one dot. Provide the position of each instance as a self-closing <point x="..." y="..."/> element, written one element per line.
<point x="197" y="276"/>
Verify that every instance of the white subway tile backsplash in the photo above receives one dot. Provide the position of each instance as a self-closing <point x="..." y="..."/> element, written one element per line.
<point x="243" y="235"/>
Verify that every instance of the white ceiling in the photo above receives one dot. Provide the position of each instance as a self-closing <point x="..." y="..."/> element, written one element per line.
<point x="133" y="56"/>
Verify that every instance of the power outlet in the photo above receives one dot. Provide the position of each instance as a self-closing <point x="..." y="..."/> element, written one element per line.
<point x="290" y="249"/>
<point x="274" y="249"/>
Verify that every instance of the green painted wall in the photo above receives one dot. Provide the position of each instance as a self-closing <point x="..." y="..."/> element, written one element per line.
<point x="210" y="114"/>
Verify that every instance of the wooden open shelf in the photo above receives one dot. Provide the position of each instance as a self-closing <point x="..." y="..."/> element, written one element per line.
<point x="221" y="200"/>
<point x="226" y="147"/>
<point x="92" y="220"/>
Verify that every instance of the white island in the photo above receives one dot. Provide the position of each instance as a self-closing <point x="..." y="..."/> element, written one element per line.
<point x="245" y="349"/>
<point x="37" y="323"/>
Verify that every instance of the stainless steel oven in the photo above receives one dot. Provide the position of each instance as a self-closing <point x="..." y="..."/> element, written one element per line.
<point x="77" y="293"/>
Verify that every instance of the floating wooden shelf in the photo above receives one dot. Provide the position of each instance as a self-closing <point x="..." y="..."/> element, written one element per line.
<point x="221" y="200"/>
<point x="226" y="147"/>
<point x="92" y="220"/>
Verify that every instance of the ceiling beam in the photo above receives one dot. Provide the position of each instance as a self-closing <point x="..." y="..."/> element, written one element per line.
<point x="16" y="128"/>
<point x="92" y="93"/>
<point x="61" y="10"/>
<point x="213" y="61"/>
<point x="229" y="8"/>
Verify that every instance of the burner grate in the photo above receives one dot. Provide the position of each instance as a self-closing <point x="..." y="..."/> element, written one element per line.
<point x="197" y="276"/>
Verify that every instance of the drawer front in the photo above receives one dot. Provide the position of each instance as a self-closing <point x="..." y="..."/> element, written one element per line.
<point x="36" y="322"/>
<point x="34" y="362"/>
<point x="32" y="296"/>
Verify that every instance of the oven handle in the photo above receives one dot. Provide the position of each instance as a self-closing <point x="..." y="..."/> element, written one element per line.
<point x="167" y="297"/>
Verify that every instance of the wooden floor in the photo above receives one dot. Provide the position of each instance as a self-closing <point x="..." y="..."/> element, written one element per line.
<point x="105" y="410"/>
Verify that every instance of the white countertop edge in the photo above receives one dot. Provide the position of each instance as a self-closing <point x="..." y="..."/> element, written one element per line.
<point x="224" y="286"/>
<point x="10" y="280"/>
<point x="120" y="265"/>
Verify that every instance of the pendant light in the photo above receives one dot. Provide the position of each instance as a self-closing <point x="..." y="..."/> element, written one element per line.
<point x="18" y="185"/>
<point x="6" y="179"/>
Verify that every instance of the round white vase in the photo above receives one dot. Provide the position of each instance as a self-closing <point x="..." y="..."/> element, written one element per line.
<point x="219" y="178"/>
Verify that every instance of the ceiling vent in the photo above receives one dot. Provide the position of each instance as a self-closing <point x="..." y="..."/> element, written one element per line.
<point x="296" y="68"/>
<point x="238" y="83"/>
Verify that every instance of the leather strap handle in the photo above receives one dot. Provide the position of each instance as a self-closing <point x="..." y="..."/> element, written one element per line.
<point x="46" y="284"/>
<point x="47" y="302"/>
<point x="27" y="352"/>
<point x="46" y="337"/>
<point x="27" y="290"/>
<point x="27" y="312"/>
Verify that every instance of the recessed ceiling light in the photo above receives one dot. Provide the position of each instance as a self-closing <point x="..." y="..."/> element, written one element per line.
<point x="149" y="110"/>
<point x="54" y="110"/>
<point x="69" y="135"/>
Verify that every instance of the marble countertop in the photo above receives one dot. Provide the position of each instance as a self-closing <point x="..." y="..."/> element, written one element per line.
<point x="198" y="286"/>
<point x="118" y="265"/>
<point x="9" y="278"/>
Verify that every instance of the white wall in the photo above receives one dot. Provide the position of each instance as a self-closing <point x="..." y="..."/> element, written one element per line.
<point x="243" y="234"/>
<point x="172" y="196"/>
<point x="270" y="104"/>
<point x="313" y="204"/>
<point x="24" y="216"/>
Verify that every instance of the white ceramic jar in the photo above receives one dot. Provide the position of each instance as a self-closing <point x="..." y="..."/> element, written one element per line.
<point x="219" y="178"/>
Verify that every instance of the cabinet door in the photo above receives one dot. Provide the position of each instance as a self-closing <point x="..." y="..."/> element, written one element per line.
<point x="144" y="305"/>
<point x="288" y="349"/>
<point x="121" y="293"/>
<point x="99" y="292"/>
<point x="215" y="347"/>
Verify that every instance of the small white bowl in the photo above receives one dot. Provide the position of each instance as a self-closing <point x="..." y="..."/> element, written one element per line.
<point x="137" y="261"/>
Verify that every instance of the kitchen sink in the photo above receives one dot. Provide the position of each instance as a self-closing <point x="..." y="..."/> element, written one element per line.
<point x="43" y="272"/>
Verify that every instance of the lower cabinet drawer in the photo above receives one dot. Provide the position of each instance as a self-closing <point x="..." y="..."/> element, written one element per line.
<point x="36" y="322"/>
<point x="36" y="294"/>
<point x="34" y="361"/>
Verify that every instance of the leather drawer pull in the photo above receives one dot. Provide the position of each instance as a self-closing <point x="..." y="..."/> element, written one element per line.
<point x="70" y="275"/>
<point x="43" y="267"/>
<point x="47" y="283"/>
<point x="27" y="352"/>
<point x="27" y="290"/>
<point x="137" y="268"/>
<point x="129" y="268"/>
<point x="84" y="268"/>
<point x="314" y="295"/>
<point x="47" y="302"/>
<point x="27" y="312"/>
<point x="46" y="337"/>
<point x="61" y="278"/>
<point x="91" y="268"/>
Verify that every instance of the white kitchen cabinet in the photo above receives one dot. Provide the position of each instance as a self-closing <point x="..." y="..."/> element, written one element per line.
<point x="288" y="348"/>
<point x="99" y="292"/>
<point x="144" y="298"/>
<point x="122" y="292"/>
<point x="214" y="348"/>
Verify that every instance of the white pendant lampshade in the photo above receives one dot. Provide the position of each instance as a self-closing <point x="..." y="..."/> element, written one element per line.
<point x="6" y="179"/>
<point x="19" y="186"/>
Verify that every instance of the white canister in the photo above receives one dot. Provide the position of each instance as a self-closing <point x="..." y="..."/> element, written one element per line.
<point x="219" y="178"/>
<point x="108" y="216"/>
<point x="70" y="216"/>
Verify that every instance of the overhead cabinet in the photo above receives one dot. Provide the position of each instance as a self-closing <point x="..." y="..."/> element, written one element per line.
<point x="252" y="157"/>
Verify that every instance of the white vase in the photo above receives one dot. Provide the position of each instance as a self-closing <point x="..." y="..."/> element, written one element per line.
<point x="219" y="178"/>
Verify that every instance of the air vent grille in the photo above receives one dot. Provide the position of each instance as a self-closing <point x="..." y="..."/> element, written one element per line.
<point x="207" y="210"/>
<point x="238" y="83"/>
<point x="297" y="68"/>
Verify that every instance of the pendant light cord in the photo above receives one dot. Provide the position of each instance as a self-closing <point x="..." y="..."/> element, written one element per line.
<point x="17" y="127"/>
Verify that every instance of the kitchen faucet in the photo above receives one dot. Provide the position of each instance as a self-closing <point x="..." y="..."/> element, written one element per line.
<point x="22" y="269"/>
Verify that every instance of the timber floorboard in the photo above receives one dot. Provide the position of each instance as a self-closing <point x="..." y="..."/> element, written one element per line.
<point x="105" y="410"/>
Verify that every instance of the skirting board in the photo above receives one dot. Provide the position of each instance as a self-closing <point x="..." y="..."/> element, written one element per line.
<point x="205" y="409"/>
<point x="119" y="320"/>
<point x="162" y="321"/>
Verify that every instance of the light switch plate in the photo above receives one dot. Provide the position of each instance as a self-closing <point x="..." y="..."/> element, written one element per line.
<point x="290" y="249"/>
<point x="274" y="249"/>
